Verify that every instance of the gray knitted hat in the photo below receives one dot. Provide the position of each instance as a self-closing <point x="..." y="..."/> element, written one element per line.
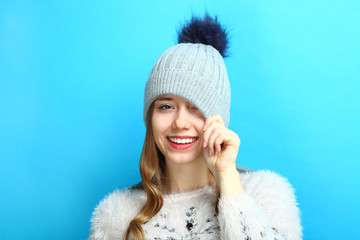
<point x="194" y="69"/>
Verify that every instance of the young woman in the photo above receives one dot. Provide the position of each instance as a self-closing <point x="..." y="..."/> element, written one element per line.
<point x="191" y="188"/>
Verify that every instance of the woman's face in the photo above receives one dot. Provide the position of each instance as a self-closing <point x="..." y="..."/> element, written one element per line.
<point x="177" y="127"/>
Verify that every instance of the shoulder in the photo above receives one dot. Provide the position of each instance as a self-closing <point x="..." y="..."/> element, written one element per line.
<point x="276" y="197"/>
<point x="265" y="181"/>
<point x="269" y="188"/>
<point x="111" y="217"/>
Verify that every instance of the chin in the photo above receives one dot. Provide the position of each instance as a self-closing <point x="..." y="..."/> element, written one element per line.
<point x="181" y="160"/>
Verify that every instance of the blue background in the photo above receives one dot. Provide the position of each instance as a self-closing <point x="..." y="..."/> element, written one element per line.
<point x="72" y="76"/>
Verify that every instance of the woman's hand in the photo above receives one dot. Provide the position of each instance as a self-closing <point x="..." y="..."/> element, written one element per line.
<point x="221" y="147"/>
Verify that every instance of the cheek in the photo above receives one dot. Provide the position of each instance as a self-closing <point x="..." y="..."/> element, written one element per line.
<point x="199" y="125"/>
<point x="159" y="129"/>
<point x="199" y="121"/>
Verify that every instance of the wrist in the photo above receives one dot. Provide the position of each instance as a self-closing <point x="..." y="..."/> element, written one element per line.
<point x="229" y="182"/>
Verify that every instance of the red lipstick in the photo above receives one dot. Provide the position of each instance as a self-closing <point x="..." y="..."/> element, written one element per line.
<point x="182" y="146"/>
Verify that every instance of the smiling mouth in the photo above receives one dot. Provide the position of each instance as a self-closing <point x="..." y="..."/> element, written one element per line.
<point x="184" y="141"/>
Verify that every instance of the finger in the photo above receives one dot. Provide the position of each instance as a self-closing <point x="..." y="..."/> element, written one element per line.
<point x="224" y="137"/>
<point x="235" y="140"/>
<point x="216" y="144"/>
<point x="219" y="141"/>
<point x="210" y="160"/>
<point x="215" y="118"/>
<point x="215" y="140"/>
<point x="208" y="131"/>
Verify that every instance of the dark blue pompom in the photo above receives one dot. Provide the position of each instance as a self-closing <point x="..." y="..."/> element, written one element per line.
<point x="207" y="31"/>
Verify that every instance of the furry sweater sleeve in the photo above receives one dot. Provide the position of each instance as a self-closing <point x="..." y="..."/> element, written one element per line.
<point x="267" y="210"/>
<point x="113" y="214"/>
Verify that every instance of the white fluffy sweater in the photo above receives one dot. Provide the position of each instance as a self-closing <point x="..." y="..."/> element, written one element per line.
<point x="267" y="210"/>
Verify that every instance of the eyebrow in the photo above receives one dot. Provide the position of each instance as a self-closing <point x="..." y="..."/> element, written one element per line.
<point x="164" y="99"/>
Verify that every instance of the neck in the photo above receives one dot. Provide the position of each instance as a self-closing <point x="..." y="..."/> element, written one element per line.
<point x="187" y="177"/>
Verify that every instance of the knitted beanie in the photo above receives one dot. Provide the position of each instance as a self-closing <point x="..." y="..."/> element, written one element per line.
<point x="194" y="70"/>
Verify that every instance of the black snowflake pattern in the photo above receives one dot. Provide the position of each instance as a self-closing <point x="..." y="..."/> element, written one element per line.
<point x="195" y="228"/>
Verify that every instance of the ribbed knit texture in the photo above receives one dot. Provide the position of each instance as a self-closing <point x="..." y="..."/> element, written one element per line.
<point x="195" y="72"/>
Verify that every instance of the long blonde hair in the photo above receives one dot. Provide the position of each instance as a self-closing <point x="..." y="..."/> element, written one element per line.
<point x="152" y="164"/>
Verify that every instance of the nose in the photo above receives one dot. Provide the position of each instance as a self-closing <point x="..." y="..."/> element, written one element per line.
<point x="182" y="119"/>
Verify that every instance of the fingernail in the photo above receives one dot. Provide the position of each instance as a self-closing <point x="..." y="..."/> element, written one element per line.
<point x="204" y="144"/>
<point x="205" y="127"/>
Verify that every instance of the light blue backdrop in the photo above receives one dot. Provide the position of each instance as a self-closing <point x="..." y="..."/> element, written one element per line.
<point x="72" y="76"/>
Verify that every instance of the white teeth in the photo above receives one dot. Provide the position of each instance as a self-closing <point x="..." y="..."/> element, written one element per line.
<point x="182" y="140"/>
